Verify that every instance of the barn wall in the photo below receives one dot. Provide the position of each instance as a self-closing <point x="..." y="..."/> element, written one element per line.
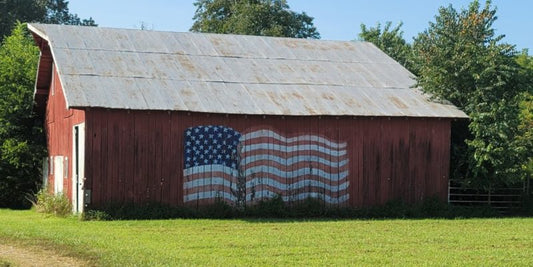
<point x="58" y="126"/>
<point x="138" y="156"/>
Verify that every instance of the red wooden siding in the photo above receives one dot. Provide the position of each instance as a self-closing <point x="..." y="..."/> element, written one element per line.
<point x="137" y="156"/>
<point x="58" y="126"/>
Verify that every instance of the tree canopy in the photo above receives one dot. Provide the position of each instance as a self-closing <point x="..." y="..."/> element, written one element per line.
<point x="390" y="41"/>
<point x="21" y="139"/>
<point x="22" y="145"/>
<point x="45" y="11"/>
<point x="252" y="17"/>
<point x="526" y="109"/>
<point x="459" y="58"/>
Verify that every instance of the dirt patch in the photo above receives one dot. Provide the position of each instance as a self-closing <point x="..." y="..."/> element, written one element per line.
<point x="35" y="256"/>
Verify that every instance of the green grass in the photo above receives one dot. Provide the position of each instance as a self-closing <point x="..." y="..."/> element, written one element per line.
<point x="5" y="263"/>
<point x="486" y="242"/>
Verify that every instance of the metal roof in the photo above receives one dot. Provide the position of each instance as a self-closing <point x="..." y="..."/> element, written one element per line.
<point x="233" y="74"/>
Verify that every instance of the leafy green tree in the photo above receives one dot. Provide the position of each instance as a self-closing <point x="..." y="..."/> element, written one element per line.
<point x="526" y="109"/>
<point x="21" y="142"/>
<point x="252" y="17"/>
<point x="390" y="41"/>
<point x="460" y="59"/>
<point x="45" y="11"/>
<point x="58" y="13"/>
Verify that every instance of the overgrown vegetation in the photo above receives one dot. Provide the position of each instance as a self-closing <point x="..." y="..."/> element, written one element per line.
<point x="460" y="59"/>
<point x="21" y="137"/>
<point x="276" y="208"/>
<point x="46" y="202"/>
<point x="5" y="263"/>
<point x="275" y="242"/>
<point x="22" y="142"/>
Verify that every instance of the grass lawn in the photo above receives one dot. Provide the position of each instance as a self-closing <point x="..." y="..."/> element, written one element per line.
<point x="486" y="242"/>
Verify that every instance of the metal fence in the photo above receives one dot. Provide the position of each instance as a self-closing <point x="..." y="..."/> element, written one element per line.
<point x="503" y="199"/>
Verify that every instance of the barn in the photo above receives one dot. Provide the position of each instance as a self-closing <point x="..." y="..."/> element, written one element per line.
<point x="134" y="116"/>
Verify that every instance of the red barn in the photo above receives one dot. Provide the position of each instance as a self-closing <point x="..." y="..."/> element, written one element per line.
<point x="186" y="118"/>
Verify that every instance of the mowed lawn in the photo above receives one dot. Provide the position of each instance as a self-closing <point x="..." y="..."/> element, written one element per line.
<point x="486" y="242"/>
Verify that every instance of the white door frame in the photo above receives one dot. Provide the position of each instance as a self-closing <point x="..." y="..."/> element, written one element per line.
<point x="78" y="167"/>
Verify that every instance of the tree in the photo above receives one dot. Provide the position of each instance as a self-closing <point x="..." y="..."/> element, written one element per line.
<point x="45" y="11"/>
<point x="389" y="41"/>
<point x="526" y="110"/>
<point x="460" y="59"/>
<point x="58" y="13"/>
<point x="21" y="141"/>
<point x="252" y="17"/>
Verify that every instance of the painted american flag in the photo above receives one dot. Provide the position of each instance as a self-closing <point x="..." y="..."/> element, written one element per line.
<point x="295" y="167"/>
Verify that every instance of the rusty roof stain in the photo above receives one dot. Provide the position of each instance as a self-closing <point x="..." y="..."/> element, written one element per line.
<point x="232" y="74"/>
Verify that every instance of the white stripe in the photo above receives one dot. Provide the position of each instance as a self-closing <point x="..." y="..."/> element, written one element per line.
<point x="272" y="134"/>
<point x="296" y="173"/>
<point x="257" y="182"/>
<point x="288" y="149"/>
<point x="208" y="195"/>
<point x="265" y="181"/>
<point x="209" y="181"/>
<point x="325" y="197"/>
<point x="268" y="169"/>
<point x="210" y="168"/>
<point x="266" y="194"/>
<point x="293" y="160"/>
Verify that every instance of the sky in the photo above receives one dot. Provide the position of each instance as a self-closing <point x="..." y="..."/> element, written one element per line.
<point x="334" y="19"/>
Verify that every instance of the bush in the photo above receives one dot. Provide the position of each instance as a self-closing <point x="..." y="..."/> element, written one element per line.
<point x="46" y="202"/>
<point x="131" y="211"/>
<point x="271" y="208"/>
<point x="95" y="215"/>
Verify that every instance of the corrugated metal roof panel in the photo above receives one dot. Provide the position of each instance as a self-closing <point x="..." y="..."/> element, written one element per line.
<point x="149" y="70"/>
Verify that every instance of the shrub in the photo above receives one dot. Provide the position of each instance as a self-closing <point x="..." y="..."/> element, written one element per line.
<point x="272" y="207"/>
<point x="46" y="202"/>
<point x="95" y="215"/>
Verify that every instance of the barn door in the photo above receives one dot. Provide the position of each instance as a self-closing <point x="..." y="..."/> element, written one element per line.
<point x="78" y="167"/>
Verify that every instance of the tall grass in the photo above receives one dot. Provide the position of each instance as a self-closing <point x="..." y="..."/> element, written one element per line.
<point x="46" y="202"/>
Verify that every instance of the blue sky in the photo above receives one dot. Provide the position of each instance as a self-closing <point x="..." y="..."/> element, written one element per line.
<point x="334" y="19"/>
